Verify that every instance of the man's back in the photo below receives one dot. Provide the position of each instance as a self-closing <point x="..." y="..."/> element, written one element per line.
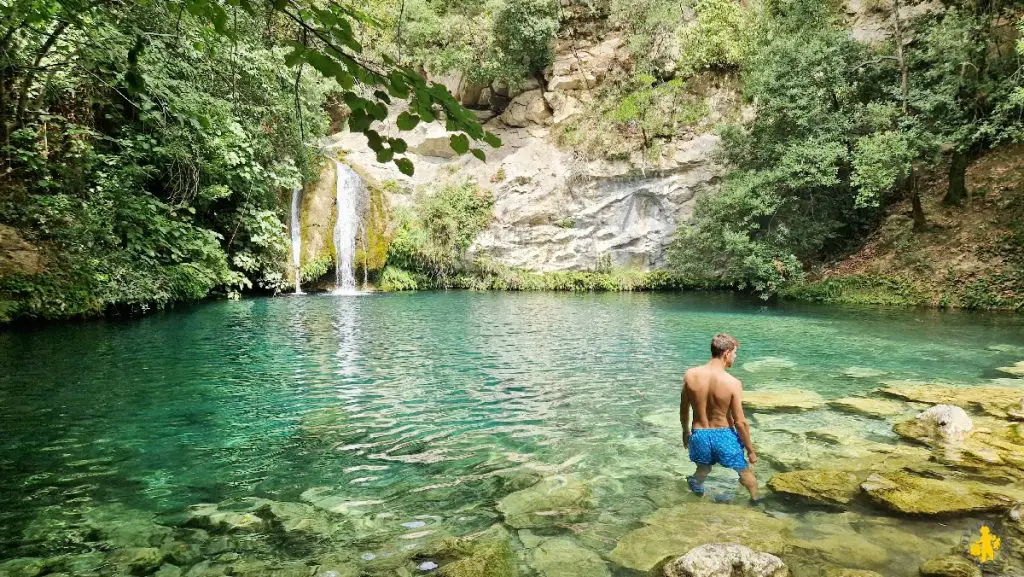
<point x="710" y="391"/>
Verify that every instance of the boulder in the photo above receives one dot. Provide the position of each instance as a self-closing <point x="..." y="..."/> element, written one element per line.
<point x="676" y="530"/>
<point x="563" y="557"/>
<point x="726" y="560"/>
<point x="877" y="408"/>
<point x="828" y="487"/>
<point x="553" y="501"/>
<point x="781" y="401"/>
<point x="946" y="423"/>
<point x="562" y="106"/>
<point x="949" y="566"/>
<point x="525" y="109"/>
<point x="912" y="495"/>
<point x="430" y="139"/>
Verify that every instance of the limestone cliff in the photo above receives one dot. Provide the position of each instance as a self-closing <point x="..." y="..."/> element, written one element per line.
<point x="555" y="209"/>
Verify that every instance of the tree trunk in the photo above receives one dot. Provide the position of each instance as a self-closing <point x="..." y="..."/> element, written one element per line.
<point x="957" y="179"/>
<point x="917" y="211"/>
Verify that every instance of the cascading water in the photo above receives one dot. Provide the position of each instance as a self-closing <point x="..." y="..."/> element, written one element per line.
<point x="296" y="237"/>
<point x="349" y="188"/>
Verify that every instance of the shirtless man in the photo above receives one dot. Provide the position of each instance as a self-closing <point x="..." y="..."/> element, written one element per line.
<point x="719" y="426"/>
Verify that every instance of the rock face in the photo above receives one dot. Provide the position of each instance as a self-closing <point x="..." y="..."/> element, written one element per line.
<point x="726" y="560"/>
<point x="828" y="487"/>
<point x="18" y="255"/>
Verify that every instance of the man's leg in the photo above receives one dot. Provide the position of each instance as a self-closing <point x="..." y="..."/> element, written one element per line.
<point x="701" y="473"/>
<point x="749" y="481"/>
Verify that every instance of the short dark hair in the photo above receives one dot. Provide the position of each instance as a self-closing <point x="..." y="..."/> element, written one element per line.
<point x="722" y="343"/>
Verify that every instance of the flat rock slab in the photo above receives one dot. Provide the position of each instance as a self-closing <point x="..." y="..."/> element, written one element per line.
<point x="554" y="500"/>
<point x="1017" y="369"/>
<point x="564" y="557"/>
<point x="878" y="408"/>
<point x="676" y="530"/>
<point x="820" y="486"/>
<point x="781" y="401"/>
<point x="995" y="401"/>
<point x="913" y="495"/>
<point x="949" y="566"/>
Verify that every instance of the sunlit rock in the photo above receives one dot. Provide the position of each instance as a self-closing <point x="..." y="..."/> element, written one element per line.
<point x="210" y="517"/>
<point x="993" y="400"/>
<point x="563" y="557"/>
<point x="137" y="560"/>
<point x="949" y="566"/>
<point x="781" y="401"/>
<point x="122" y="526"/>
<point x="726" y="560"/>
<point x="1017" y="369"/>
<point x="913" y="495"/>
<point x="947" y="423"/>
<point x="821" y="486"/>
<point x="486" y="554"/>
<point x="869" y="407"/>
<point x="677" y="530"/>
<point x="555" y="500"/>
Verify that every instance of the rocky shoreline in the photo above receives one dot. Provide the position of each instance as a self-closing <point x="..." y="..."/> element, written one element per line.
<point x="893" y="484"/>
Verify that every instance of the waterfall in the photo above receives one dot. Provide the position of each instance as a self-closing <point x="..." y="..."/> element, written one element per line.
<point x="349" y="188"/>
<point x="296" y="237"/>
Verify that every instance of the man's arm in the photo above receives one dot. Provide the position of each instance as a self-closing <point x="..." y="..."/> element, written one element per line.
<point x="684" y="414"/>
<point x="739" y="421"/>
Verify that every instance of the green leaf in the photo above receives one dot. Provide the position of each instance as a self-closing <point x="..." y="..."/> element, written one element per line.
<point x="378" y="111"/>
<point x="323" y="63"/>
<point x="479" y="154"/>
<point x="492" y="139"/>
<point x="459" y="143"/>
<point x="407" y="121"/>
<point x="404" y="166"/>
<point x="398" y="145"/>
<point x="354" y="101"/>
<point x="382" y="96"/>
<point x="373" y="140"/>
<point x="295" y="56"/>
<point x="359" y="121"/>
<point x="385" y="155"/>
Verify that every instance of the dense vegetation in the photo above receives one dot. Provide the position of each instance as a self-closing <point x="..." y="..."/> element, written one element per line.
<point x="146" y="145"/>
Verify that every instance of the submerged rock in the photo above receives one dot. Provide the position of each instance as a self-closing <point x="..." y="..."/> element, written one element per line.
<point x="992" y="400"/>
<point x="767" y="364"/>
<point x="555" y="500"/>
<point x="138" y="560"/>
<point x="821" y="486"/>
<point x="23" y="567"/>
<point x="843" y="572"/>
<point x="1017" y="369"/>
<point x="726" y="560"/>
<point x="949" y="566"/>
<point x="781" y="401"/>
<point x="563" y="557"/>
<point x="863" y="373"/>
<point x="879" y="408"/>
<point x="674" y="531"/>
<point x="913" y="495"/>
<point x="210" y="517"/>
<point x="486" y="554"/>
<point x="122" y="526"/>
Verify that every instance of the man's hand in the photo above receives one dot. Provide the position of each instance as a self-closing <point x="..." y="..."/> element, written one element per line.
<point x="751" y="456"/>
<point x="686" y="439"/>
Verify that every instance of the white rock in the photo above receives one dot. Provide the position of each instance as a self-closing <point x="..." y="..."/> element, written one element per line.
<point x="726" y="560"/>
<point x="950" y="422"/>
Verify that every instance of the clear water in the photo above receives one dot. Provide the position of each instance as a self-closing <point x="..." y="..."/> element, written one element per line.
<point x="416" y="400"/>
<point x="349" y="188"/>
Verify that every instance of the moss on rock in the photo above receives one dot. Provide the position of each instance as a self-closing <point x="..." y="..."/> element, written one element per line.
<point x="820" y="486"/>
<point x="912" y="495"/>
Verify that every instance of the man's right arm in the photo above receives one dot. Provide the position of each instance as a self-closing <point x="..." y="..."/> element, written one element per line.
<point x="684" y="413"/>
<point x="740" y="422"/>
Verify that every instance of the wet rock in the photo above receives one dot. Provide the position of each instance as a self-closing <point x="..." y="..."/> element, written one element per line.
<point x="863" y="373"/>
<point x="913" y="495"/>
<point x="78" y="564"/>
<point x="674" y="531"/>
<point x="555" y="500"/>
<point x="296" y="520"/>
<point x="994" y="401"/>
<point x="843" y="572"/>
<point x="781" y="401"/>
<point x="206" y="569"/>
<point x="486" y="554"/>
<point x="180" y="553"/>
<point x="768" y="364"/>
<point x="726" y="560"/>
<point x="563" y="557"/>
<point x="138" y="560"/>
<point x="879" y="408"/>
<point x="168" y="570"/>
<point x="949" y="566"/>
<point x="529" y="539"/>
<point x="820" y="486"/>
<point x="210" y="517"/>
<point x="122" y="526"/>
<point x="22" y="567"/>
<point x="1017" y="369"/>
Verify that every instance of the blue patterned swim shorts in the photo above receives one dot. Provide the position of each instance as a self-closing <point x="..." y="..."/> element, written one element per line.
<point x="721" y="446"/>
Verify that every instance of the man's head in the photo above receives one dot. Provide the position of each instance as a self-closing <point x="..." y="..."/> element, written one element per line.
<point x="724" y="347"/>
